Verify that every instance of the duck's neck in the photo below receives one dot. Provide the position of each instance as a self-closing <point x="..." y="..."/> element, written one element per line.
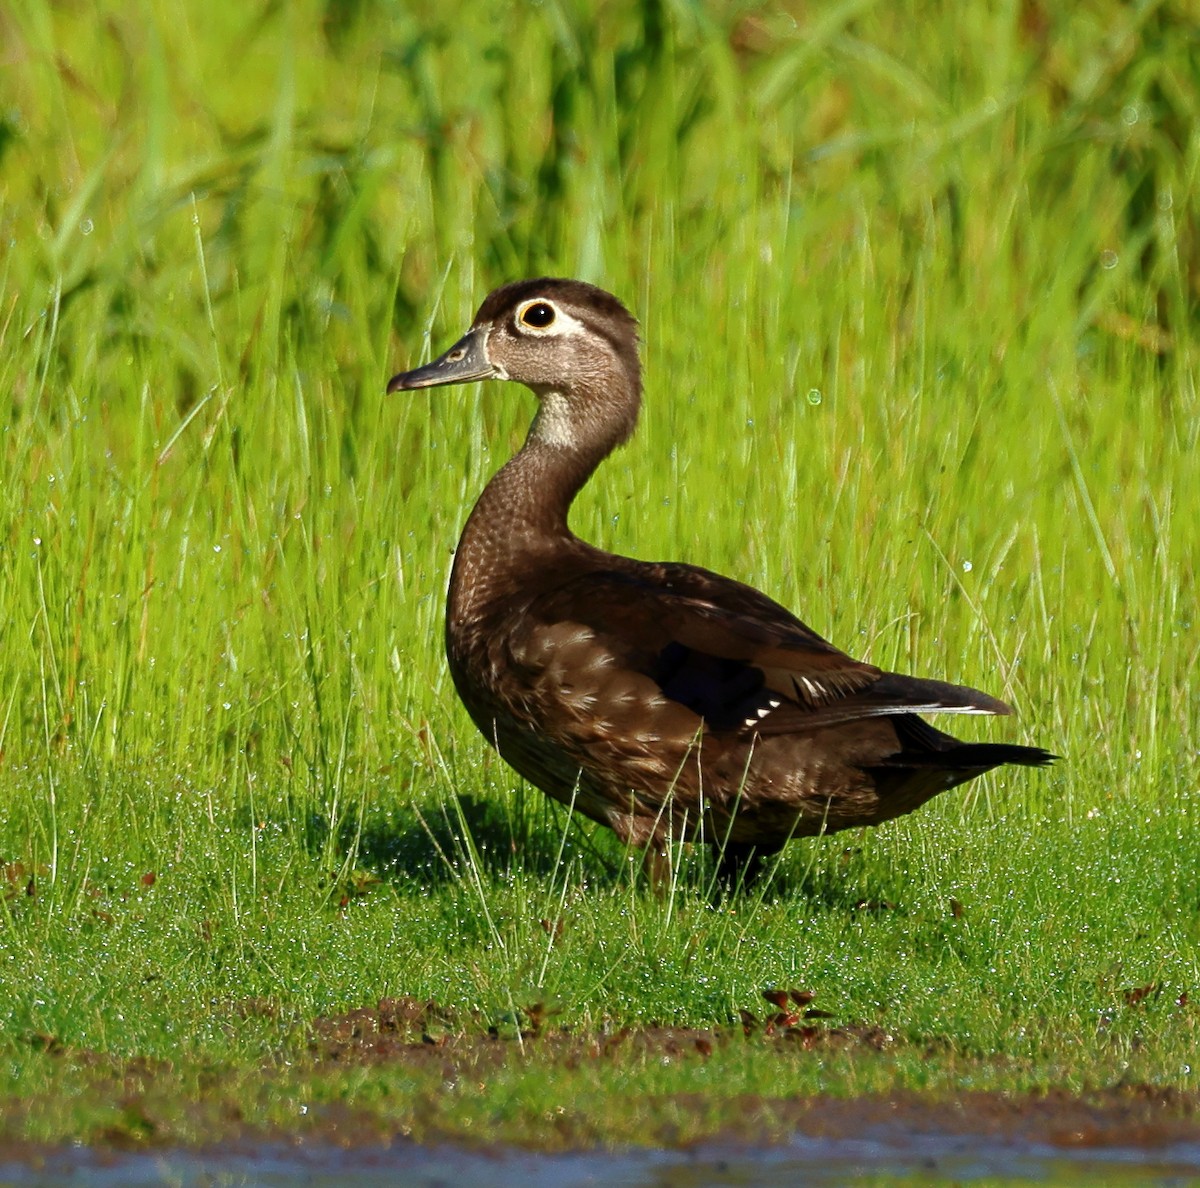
<point x="519" y="523"/>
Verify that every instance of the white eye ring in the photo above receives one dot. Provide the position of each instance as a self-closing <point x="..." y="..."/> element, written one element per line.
<point x="545" y="313"/>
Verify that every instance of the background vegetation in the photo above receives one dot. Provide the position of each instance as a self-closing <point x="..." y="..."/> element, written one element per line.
<point x="919" y="289"/>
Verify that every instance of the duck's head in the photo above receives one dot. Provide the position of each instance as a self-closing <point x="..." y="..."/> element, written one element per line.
<point x="573" y="344"/>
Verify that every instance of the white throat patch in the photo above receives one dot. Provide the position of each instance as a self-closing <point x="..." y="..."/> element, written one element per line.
<point x="553" y="424"/>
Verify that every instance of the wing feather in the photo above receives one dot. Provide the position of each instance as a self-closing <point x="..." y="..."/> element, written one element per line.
<point x="732" y="655"/>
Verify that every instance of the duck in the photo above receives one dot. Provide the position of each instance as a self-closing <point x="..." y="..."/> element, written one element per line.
<point x="660" y="699"/>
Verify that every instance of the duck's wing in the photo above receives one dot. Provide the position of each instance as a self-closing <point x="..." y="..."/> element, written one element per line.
<point x="730" y="654"/>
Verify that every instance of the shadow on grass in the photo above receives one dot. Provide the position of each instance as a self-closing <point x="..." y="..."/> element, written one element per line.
<point x="434" y="845"/>
<point x="844" y="880"/>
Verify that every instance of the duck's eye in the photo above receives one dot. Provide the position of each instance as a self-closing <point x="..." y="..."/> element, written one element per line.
<point x="539" y="315"/>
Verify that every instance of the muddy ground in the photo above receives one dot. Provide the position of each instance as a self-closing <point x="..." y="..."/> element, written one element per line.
<point x="406" y="1034"/>
<point x="421" y="1035"/>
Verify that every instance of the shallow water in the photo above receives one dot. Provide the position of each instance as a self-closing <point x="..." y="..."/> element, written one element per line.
<point x="877" y="1157"/>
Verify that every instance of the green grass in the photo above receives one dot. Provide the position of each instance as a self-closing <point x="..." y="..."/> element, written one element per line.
<point x="918" y="290"/>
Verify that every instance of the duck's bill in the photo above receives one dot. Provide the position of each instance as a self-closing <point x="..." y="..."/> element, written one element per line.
<point x="463" y="363"/>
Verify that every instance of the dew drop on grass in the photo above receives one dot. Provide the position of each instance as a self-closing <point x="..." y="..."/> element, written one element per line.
<point x="86" y="226"/>
<point x="1109" y="259"/>
<point x="967" y="567"/>
<point x="814" y="396"/>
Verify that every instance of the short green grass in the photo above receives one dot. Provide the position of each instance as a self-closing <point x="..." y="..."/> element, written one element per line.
<point x="918" y="289"/>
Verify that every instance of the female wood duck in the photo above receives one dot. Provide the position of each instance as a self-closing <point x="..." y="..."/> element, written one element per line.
<point x="660" y="699"/>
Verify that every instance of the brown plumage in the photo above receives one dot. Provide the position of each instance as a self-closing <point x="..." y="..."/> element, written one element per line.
<point x="660" y="699"/>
